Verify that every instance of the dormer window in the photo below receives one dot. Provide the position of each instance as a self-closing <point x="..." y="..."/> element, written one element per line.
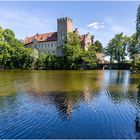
<point x="34" y="41"/>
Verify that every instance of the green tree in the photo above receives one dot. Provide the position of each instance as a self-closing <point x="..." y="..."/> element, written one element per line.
<point x="138" y="21"/>
<point x="109" y="50"/>
<point x="1" y="34"/>
<point x="98" y="46"/>
<point x="34" y="56"/>
<point x="5" y="54"/>
<point x="89" y="57"/>
<point x="72" y="51"/>
<point x="133" y="47"/>
<point x="116" y="48"/>
<point x="72" y="39"/>
<point x="8" y="35"/>
<point x="138" y="28"/>
<point x="41" y="61"/>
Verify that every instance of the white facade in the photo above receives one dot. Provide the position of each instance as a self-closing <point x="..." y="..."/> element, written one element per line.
<point x="46" y="47"/>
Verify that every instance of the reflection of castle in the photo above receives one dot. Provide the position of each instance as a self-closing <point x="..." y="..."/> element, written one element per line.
<point x="86" y="94"/>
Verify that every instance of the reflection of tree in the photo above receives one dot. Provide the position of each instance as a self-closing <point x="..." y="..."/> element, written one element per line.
<point x="120" y="76"/>
<point x="117" y="76"/>
<point x="63" y="101"/>
<point x="86" y="94"/>
<point x="63" y="104"/>
<point x="116" y="96"/>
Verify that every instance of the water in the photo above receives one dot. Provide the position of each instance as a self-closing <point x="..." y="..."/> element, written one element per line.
<point x="69" y="104"/>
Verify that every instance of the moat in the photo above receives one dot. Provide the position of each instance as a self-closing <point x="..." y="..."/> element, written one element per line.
<point x="69" y="104"/>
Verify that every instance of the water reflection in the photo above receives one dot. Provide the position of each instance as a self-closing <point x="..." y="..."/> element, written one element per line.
<point x="138" y="112"/>
<point x="69" y="104"/>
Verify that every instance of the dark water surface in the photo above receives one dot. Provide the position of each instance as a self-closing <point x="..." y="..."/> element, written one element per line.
<point x="69" y="104"/>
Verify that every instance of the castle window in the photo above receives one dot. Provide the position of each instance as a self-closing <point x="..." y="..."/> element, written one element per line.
<point x="52" y="45"/>
<point x="35" y="46"/>
<point x="48" y="45"/>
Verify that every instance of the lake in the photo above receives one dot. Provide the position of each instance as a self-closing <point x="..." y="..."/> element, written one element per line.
<point x="69" y="104"/>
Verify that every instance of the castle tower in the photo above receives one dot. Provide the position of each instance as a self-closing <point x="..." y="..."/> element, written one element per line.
<point x="64" y="26"/>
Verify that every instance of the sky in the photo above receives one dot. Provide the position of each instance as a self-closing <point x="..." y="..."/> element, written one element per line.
<point x="103" y="19"/>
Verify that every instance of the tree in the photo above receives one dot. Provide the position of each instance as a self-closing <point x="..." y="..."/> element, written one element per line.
<point x="5" y="54"/>
<point x="72" y="51"/>
<point x="109" y="50"/>
<point x="136" y="65"/>
<point x="138" y="21"/>
<point x="116" y="48"/>
<point x="72" y="39"/>
<point x="89" y="57"/>
<point x="138" y="28"/>
<point x="13" y="54"/>
<point x="1" y="34"/>
<point x="34" y="56"/>
<point x="98" y="46"/>
<point x="8" y="35"/>
<point x="41" y="61"/>
<point x="133" y="47"/>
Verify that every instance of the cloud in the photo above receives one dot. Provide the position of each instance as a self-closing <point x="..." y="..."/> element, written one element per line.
<point x="24" y="23"/>
<point x="96" y="25"/>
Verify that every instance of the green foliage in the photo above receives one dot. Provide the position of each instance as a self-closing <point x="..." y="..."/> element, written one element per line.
<point x="136" y="66"/>
<point x="5" y="53"/>
<point x="116" y="48"/>
<point x="98" y="46"/>
<point x="89" y="57"/>
<point x="72" y="39"/>
<point x="72" y="51"/>
<point x="13" y="54"/>
<point x="133" y="47"/>
<point x="138" y="21"/>
<point x="41" y="62"/>
<point x="75" y="56"/>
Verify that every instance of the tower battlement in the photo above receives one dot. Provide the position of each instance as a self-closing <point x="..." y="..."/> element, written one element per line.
<point x="64" y="19"/>
<point x="64" y="26"/>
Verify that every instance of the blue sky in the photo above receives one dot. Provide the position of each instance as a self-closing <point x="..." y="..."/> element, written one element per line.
<point x="102" y="19"/>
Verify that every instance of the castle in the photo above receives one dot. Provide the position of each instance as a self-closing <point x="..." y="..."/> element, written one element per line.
<point x="52" y="42"/>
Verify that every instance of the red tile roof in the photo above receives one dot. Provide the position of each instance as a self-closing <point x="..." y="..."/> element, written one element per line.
<point x="52" y="36"/>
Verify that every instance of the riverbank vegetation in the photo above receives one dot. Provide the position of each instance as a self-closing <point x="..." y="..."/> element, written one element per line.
<point x="13" y="54"/>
